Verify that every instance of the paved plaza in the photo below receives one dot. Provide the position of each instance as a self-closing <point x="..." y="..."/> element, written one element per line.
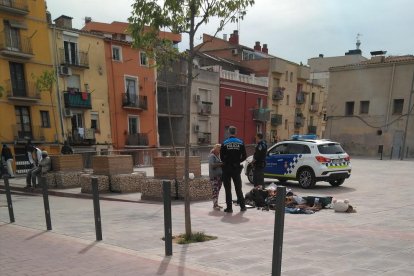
<point x="376" y="240"/>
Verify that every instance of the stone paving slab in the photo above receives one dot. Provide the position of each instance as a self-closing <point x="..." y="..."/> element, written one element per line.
<point x="377" y="240"/>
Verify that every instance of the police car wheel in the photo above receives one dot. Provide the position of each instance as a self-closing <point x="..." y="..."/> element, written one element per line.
<point x="306" y="178"/>
<point x="337" y="182"/>
<point x="250" y="174"/>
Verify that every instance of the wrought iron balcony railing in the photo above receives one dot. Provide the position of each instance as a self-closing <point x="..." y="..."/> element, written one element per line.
<point x="17" y="47"/>
<point x="276" y="119"/>
<point x="134" y="101"/>
<point x="137" y="139"/>
<point x="27" y="131"/>
<point x="15" y="6"/>
<point x="312" y="129"/>
<point x="204" y="108"/>
<point x="300" y="98"/>
<point x="28" y="92"/>
<point x="79" y="59"/>
<point x="74" y="99"/>
<point x="204" y="138"/>
<point x="261" y="114"/>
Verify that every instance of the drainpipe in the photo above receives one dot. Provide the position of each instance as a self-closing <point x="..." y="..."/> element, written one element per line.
<point x="114" y="93"/>
<point x="56" y="65"/>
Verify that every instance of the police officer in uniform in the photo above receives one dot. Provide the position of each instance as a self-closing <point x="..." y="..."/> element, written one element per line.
<point x="232" y="153"/>
<point x="259" y="161"/>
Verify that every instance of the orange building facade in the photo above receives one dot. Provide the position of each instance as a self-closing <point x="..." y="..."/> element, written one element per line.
<point x="132" y="90"/>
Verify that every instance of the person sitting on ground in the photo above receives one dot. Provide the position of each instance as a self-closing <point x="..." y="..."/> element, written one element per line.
<point x="43" y="166"/>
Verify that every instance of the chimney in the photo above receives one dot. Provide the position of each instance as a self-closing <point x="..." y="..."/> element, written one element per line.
<point x="225" y="37"/>
<point x="88" y="19"/>
<point x="234" y="38"/>
<point x="257" y="46"/>
<point x="264" y="49"/>
<point x="63" y="21"/>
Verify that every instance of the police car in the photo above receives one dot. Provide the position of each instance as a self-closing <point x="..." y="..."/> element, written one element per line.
<point x="305" y="160"/>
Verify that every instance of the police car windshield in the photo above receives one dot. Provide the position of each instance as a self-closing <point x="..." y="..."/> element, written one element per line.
<point x="330" y="148"/>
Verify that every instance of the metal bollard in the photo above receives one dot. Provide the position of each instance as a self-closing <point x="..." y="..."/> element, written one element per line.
<point x="278" y="231"/>
<point x="9" y="199"/>
<point x="96" y="209"/>
<point x="46" y="202"/>
<point x="166" y="185"/>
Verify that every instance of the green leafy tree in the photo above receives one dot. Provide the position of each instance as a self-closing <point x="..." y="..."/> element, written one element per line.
<point x="45" y="82"/>
<point x="184" y="17"/>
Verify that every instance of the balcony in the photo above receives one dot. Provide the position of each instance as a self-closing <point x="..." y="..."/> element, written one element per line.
<point x="276" y="119"/>
<point x="204" y="138"/>
<point x="35" y="133"/>
<point x="277" y="66"/>
<point x="312" y="129"/>
<point x="300" y="98"/>
<point x="278" y="93"/>
<point x="18" y="48"/>
<point x="204" y="108"/>
<point x="314" y="107"/>
<point x="82" y="136"/>
<point x="74" y="99"/>
<point x="80" y="59"/>
<point x="29" y="93"/>
<point x="137" y="139"/>
<point x="19" y="7"/>
<point x="299" y="121"/>
<point x="261" y="114"/>
<point x="134" y="101"/>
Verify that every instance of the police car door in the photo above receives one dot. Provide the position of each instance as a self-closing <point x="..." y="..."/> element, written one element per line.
<point x="275" y="161"/>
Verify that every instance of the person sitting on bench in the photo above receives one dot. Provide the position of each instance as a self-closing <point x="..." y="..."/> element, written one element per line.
<point x="43" y="166"/>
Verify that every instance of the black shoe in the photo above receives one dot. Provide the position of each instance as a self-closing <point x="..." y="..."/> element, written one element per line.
<point x="228" y="210"/>
<point x="243" y="209"/>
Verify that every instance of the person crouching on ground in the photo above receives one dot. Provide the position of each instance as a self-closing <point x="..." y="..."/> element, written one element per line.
<point x="214" y="173"/>
<point x="43" y="166"/>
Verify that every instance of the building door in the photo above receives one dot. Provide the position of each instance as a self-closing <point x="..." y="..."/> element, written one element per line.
<point x="397" y="142"/>
<point x="18" y="81"/>
<point x="23" y="122"/>
<point x="71" y="52"/>
<point x="78" y="130"/>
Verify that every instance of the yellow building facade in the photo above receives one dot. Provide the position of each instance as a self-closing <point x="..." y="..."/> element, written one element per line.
<point x="26" y="111"/>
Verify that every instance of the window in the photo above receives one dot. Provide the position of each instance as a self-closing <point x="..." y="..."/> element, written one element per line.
<point x="228" y="101"/>
<point x="133" y="125"/>
<point x="291" y="76"/>
<point x="18" y="81"/>
<point x="363" y="107"/>
<point x="286" y="124"/>
<point x="143" y="59"/>
<point x="312" y="98"/>
<point x="44" y="117"/>
<point x="117" y="53"/>
<point x="287" y="99"/>
<point x="95" y="121"/>
<point x="23" y="122"/>
<point x="298" y="149"/>
<point x="286" y="75"/>
<point x="279" y="149"/>
<point x="398" y="106"/>
<point x="259" y="102"/>
<point x="71" y="49"/>
<point x="311" y="121"/>
<point x="131" y="89"/>
<point x="12" y="36"/>
<point x="349" y="108"/>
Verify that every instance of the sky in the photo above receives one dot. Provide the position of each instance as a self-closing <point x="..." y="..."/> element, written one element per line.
<point x="295" y="30"/>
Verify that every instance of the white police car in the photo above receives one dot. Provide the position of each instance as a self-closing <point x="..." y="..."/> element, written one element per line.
<point x="305" y="160"/>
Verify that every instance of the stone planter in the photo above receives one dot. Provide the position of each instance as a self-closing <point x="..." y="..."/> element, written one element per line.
<point x="67" y="179"/>
<point x="86" y="183"/>
<point x="199" y="188"/>
<point x="172" y="167"/>
<point x="67" y="162"/>
<point x="127" y="183"/>
<point x="112" y="164"/>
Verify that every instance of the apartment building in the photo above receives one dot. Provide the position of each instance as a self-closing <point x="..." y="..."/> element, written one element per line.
<point x="288" y="88"/>
<point x="131" y="86"/>
<point x="79" y="59"/>
<point x="27" y="111"/>
<point x="370" y="106"/>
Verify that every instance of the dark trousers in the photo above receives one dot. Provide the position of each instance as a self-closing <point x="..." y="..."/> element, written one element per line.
<point x="258" y="176"/>
<point x="227" y="176"/>
<point x="31" y="176"/>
